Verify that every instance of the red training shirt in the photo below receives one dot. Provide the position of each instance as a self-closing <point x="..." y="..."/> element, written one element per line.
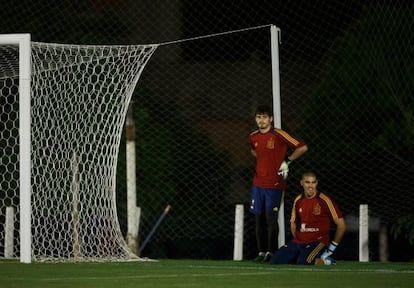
<point x="313" y="218"/>
<point x="271" y="148"/>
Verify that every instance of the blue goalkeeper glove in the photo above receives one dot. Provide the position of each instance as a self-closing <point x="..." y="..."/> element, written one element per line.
<point x="328" y="252"/>
<point x="284" y="168"/>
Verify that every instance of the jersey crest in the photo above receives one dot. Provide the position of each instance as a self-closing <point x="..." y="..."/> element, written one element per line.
<point x="270" y="144"/>
<point x="316" y="209"/>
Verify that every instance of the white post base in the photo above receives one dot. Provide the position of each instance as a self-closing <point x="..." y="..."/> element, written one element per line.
<point x="238" y="233"/>
<point x="9" y="231"/>
<point x="363" y="233"/>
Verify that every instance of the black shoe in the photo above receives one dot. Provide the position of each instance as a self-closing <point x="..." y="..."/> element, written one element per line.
<point x="267" y="257"/>
<point x="260" y="257"/>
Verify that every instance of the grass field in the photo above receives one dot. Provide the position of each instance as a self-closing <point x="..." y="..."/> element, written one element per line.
<point x="205" y="273"/>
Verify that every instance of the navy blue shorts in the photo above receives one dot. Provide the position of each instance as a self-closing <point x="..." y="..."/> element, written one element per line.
<point x="265" y="200"/>
<point x="294" y="253"/>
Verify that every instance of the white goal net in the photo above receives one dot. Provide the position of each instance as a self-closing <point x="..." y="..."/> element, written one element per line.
<point x="79" y="100"/>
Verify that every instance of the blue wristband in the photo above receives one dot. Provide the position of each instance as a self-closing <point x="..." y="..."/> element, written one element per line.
<point x="332" y="246"/>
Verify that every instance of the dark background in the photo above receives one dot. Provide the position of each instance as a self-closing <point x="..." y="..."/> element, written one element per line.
<point x="346" y="83"/>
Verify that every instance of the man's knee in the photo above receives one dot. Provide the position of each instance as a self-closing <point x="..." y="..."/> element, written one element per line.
<point x="281" y="256"/>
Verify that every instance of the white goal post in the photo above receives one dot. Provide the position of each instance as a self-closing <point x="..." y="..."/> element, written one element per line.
<point x="275" y="39"/>
<point x="22" y="41"/>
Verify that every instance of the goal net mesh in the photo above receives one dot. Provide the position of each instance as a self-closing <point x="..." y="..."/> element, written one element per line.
<point x="79" y="99"/>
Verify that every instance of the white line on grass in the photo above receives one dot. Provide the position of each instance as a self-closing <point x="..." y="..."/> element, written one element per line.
<point x="264" y="271"/>
<point x="277" y="268"/>
<point x="155" y="276"/>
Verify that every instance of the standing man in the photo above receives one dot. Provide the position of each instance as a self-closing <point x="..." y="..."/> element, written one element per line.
<point x="270" y="146"/>
<point x="313" y="213"/>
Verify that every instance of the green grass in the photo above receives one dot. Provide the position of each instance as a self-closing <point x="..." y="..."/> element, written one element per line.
<point x="205" y="273"/>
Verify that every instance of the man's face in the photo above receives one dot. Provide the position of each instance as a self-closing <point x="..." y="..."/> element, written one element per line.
<point x="263" y="121"/>
<point x="309" y="184"/>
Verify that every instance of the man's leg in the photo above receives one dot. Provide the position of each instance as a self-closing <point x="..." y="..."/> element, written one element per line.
<point x="258" y="209"/>
<point x="260" y="236"/>
<point x="272" y="234"/>
<point x="286" y="254"/>
<point x="273" y="199"/>
<point x="273" y="231"/>
<point x="310" y="252"/>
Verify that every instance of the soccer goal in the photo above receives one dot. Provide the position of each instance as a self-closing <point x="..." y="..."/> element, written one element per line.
<point x="62" y="113"/>
<point x="63" y="109"/>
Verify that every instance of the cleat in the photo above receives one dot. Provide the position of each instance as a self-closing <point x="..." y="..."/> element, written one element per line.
<point x="267" y="257"/>
<point x="260" y="257"/>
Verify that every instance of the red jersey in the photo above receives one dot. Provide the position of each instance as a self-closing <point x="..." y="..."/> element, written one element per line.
<point x="313" y="218"/>
<point x="271" y="148"/>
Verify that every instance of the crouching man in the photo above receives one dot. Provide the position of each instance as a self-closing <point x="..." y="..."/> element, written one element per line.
<point x="313" y="213"/>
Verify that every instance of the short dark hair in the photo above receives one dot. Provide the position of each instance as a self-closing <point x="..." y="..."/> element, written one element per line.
<point x="309" y="174"/>
<point x="264" y="109"/>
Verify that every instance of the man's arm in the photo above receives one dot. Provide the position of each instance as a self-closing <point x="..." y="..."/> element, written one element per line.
<point x="339" y="233"/>
<point x="298" y="152"/>
<point x="293" y="228"/>
<point x="284" y="167"/>
<point x="253" y="152"/>
<point x="340" y="230"/>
